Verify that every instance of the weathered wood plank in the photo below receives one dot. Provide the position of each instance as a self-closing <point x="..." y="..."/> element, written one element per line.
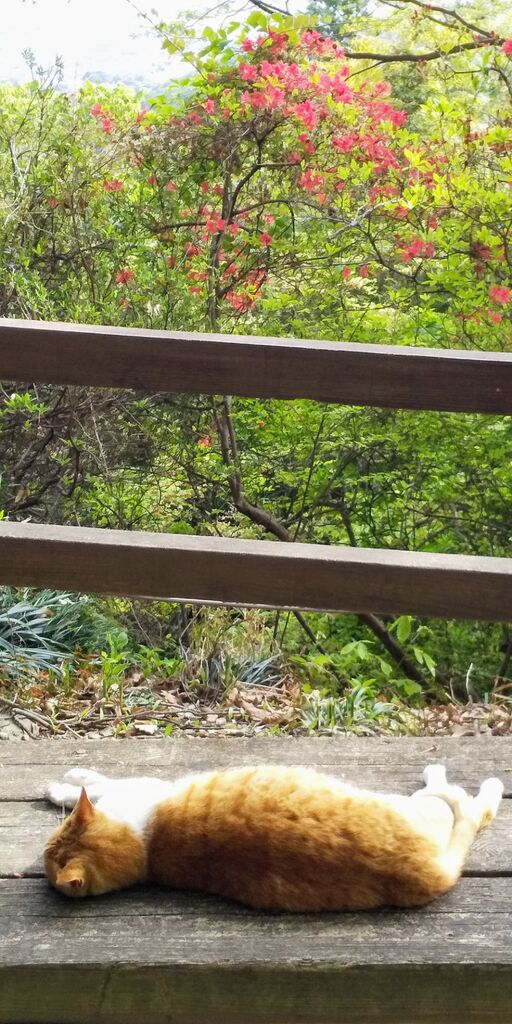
<point x="25" y="827"/>
<point x="25" y="769"/>
<point x="262" y="573"/>
<point x="383" y="375"/>
<point x="159" y="957"/>
<point x="382" y="764"/>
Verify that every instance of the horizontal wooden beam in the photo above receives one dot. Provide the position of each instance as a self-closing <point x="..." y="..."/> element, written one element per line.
<point x="374" y="375"/>
<point x="265" y="574"/>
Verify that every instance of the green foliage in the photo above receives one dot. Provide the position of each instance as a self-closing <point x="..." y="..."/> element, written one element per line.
<point x="322" y="211"/>
<point x="43" y="629"/>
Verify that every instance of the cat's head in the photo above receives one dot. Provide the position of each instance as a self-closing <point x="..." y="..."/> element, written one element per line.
<point x="90" y="854"/>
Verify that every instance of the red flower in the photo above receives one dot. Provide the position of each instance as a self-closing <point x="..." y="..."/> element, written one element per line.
<point x="113" y="185"/>
<point x="123" y="301"/>
<point x="500" y="295"/>
<point x="171" y="261"/>
<point x="248" y="73"/>
<point x="171" y="187"/>
<point x="364" y="270"/>
<point x="418" y="248"/>
<point x="204" y="442"/>
<point x="265" y="238"/>
<point x="124" y="276"/>
<point x="209" y="106"/>
<point x="53" y="202"/>
<point x="346" y="273"/>
<point x="247" y="45"/>
<point x="507" y="48"/>
<point x="97" y="110"/>
<point x="495" y="318"/>
<point x="107" y="124"/>
<point x="152" y="180"/>
<point x="191" y="249"/>
<point x="204" y="187"/>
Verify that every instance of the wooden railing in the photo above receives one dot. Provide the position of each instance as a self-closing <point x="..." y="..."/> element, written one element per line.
<point x="261" y="573"/>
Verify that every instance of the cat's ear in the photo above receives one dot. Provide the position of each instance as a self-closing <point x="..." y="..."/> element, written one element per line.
<point x="84" y="809"/>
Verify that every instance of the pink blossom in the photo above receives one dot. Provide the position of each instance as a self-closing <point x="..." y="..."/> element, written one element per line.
<point x="171" y="187"/>
<point x="247" y="45"/>
<point x="382" y="89"/>
<point x="345" y="143"/>
<point x="171" y="261"/>
<point x="209" y="106"/>
<point x="507" y="48"/>
<point x="107" y="124"/>
<point x="311" y="180"/>
<point x="265" y="238"/>
<point x="417" y="247"/>
<point x="97" y="110"/>
<point x="124" y="276"/>
<point x="191" y="249"/>
<point x="500" y="294"/>
<point x="152" y="180"/>
<point x="113" y="185"/>
<point x="364" y="270"/>
<point x="248" y="73"/>
<point x="204" y="187"/>
<point x="346" y="273"/>
<point x="269" y="218"/>
<point x="206" y="441"/>
<point x="495" y="318"/>
<point x="307" y="113"/>
<point x="295" y="158"/>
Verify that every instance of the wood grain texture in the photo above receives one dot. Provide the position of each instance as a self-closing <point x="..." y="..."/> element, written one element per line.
<point x="261" y="573"/>
<point x="354" y="374"/>
<point x="382" y="763"/>
<point x="163" y="957"/>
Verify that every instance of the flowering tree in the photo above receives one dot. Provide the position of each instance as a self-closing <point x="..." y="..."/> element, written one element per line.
<point x="282" y="190"/>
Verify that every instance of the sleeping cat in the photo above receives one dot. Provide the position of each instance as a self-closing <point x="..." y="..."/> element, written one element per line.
<point x="271" y="837"/>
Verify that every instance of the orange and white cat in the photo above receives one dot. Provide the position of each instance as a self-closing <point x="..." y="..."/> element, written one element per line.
<point x="271" y="837"/>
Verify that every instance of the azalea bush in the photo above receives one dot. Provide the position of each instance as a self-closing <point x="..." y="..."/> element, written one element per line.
<point x="283" y="188"/>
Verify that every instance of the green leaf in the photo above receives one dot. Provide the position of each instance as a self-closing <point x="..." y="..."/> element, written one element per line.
<point x="403" y="628"/>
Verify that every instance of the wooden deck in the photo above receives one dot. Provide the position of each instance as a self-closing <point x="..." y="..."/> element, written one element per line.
<point x="158" y="956"/>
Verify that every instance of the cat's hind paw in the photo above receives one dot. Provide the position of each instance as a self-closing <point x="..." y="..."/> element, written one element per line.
<point x="488" y="800"/>
<point x="434" y="776"/>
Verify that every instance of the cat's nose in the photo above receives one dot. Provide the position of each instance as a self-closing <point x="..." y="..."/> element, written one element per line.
<point x="75" y="887"/>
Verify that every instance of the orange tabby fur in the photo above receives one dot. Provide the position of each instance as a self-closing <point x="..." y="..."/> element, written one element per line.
<point x="275" y="838"/>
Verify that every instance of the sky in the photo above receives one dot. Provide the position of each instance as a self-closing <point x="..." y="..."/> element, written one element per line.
<point x="93" y="35"/>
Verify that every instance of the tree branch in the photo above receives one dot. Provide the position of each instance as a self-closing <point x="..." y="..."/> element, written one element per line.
<point x="261" y="517"/>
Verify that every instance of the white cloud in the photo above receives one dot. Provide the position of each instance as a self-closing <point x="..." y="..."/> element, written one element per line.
<point x="90" y="35"/>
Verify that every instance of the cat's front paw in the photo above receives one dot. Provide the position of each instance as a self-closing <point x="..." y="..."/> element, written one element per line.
<point x="82" y="776"/>
<point x="62" y="794"/>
